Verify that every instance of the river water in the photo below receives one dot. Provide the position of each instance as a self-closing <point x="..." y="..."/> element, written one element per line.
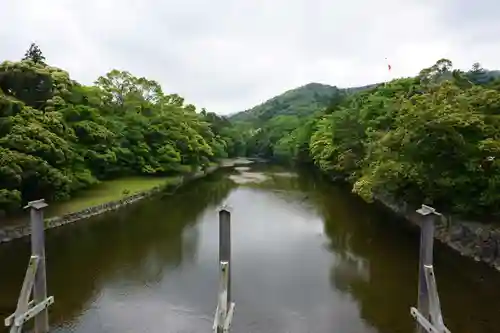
<point x="307" y="257"/>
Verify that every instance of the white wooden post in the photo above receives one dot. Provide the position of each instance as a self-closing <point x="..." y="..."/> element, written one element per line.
<point x="225" y="243"/>
<point x="428" y="314"/>
<point x="225" y="307"/>
<point x="34" y="280"/>
<point x="38" y="249"/>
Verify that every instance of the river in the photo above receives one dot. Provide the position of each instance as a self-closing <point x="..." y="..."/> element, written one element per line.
<point x="307" y="257"/>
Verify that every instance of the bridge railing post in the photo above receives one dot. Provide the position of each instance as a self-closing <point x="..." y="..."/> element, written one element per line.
<point x="35" y="279"/>
<point x="38" y="249"/>
<point x="225" y="243"/>
<point x="428" y="312"/>
<point x="225" y="307"/>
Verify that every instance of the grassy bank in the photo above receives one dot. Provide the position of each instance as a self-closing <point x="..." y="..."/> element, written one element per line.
<point x="111" y="191"/>
<point x="107" y="191"/>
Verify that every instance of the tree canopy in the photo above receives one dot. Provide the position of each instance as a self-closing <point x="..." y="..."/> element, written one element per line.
<point x="58" y="136"/>
<point x="433" y="138"/>
<point x="34" y="54"/>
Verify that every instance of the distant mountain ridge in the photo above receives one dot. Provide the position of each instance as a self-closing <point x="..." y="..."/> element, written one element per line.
<point x="307" y="99"/>
<point x="300" y="101"/>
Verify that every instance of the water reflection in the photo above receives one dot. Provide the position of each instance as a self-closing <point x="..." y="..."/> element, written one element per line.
<point x="376" y="256"/>
<point x="308" y="257"/>
<point x="381" y="253"/>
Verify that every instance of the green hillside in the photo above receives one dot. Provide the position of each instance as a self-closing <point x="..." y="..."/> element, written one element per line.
<point x="301" y="101"/>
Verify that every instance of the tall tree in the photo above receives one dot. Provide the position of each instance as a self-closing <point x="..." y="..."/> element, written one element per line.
<point x="478" y="75"/>
<point x="34" y="54"/>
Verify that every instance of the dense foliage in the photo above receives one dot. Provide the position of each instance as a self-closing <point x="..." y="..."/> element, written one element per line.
<point x="434" y="138"/>
<point x="58" y="136"/>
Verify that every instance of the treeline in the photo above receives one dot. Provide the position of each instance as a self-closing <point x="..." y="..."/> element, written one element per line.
<point x="58" y="136"/>
<point x="433" y="138"/>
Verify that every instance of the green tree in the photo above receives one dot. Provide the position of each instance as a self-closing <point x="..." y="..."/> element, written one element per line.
<point x="57" y="136"/>
<point x="34" y="54"/>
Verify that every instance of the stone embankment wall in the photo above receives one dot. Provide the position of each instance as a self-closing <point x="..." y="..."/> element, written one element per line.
<point x="472" y="239"/>
<point x="9" y="233"/>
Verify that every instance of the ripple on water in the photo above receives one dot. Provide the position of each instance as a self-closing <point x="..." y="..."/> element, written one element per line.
<point x="248" y="177"/>
<point x="284" y="174"/>
<point x="242" y="169"/>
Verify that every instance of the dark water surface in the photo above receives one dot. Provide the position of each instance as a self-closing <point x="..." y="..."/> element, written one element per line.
<point x="307" y="257"/>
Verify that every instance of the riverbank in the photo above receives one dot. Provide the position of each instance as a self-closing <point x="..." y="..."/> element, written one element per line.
<point x="472" y="239"/>
<point x="108" y="191"/>
<point x="475" y="240"/>
<point x="9" y="233"/>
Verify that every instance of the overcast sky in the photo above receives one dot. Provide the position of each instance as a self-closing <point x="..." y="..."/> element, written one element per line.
<point x="228" y="55"/>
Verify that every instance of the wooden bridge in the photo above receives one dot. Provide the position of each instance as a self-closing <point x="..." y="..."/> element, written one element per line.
<point x="427" y="313"/>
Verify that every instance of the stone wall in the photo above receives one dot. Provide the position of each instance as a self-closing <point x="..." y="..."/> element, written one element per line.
<point x="12" y="232"/>
<point x="472" y="239"/>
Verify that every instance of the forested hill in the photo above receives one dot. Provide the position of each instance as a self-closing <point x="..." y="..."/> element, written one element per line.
<point x="58" y="136"/>
<point x="305" y="100"/>
<point x="433" y="138"/>
<point x="301" y="101"/>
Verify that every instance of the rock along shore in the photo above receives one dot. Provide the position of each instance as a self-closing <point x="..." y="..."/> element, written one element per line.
<point x="471" y="239"/>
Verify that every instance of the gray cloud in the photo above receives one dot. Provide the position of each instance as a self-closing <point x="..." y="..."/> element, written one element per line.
<point x="228" y="55"/>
